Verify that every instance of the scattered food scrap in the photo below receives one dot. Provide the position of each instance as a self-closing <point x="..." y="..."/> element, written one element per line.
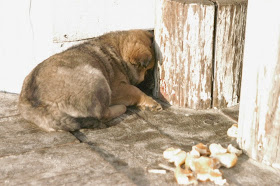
<point x="202" y="149"/>
<point x="157" y="171"/>
<point x="216" y="149"/>
<point x="232" y="149"/>
<point x="233" y="131"/>
<point x="227" y="160"/>
<point x="184" y="176"/>
<point x="175" y="155"/>
<point x="201" y="163"/>
<point x="170" y="152"/>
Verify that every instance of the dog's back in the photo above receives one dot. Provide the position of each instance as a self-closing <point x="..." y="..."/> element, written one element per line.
<point x="69" y="85"/>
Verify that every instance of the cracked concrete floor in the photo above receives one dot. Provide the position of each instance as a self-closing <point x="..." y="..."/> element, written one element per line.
<point x="119" y="152"/>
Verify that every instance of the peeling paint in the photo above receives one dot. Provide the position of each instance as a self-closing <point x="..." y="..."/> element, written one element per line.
<point x="184" y="35"/>
<point x="185" y="39"/>
<point x="230" y="36"/>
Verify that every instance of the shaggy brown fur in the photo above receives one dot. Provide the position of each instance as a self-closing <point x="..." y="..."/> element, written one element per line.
<point x="95" y="79"/>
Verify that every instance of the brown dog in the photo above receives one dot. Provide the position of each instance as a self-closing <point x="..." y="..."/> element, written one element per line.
<point x="95" y="79"/>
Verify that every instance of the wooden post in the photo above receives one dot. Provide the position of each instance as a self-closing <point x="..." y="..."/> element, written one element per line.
<point x="259" y="115"/>
<point x="229" y="46"/>
<point x="184" y="48"/>
<point x="199" y="47"/>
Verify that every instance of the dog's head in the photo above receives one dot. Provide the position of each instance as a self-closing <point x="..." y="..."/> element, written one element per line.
<point x="138" y="50"/>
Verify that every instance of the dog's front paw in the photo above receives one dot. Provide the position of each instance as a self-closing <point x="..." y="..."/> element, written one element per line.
<point x="150" y="104"/>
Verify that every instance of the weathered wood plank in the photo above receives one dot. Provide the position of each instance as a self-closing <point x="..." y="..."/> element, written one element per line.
<point x="229" y="46"/>
<point x="259" y="117"/>
<point x="184" y="45"/>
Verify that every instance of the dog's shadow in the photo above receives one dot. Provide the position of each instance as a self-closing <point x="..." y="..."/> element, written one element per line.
<point x="95" y="124"/>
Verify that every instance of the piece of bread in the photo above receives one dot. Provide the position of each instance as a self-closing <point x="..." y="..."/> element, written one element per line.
<point x="233" y="131"/>
<point x="232" y="149"/>
<point x="202" y="149"/>
<point x="184" y="176"/>
<point x="217" y="149"/>
<point x="228" y="160"/>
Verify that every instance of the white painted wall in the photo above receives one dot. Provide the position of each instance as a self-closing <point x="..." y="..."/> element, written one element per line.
<point x="33" y="30"/>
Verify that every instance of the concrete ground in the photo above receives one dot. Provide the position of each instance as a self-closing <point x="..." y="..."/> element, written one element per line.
<point x="119" y="152"/>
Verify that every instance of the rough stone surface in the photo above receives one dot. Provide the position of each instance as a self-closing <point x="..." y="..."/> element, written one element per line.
<point x="232" y="112"/>
<point x="74" y="164"/>
<point x="17" y="136"/>
<point x="119" y="152"/>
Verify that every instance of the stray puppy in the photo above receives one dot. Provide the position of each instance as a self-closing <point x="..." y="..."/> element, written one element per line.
<point x="95" y="79"/>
